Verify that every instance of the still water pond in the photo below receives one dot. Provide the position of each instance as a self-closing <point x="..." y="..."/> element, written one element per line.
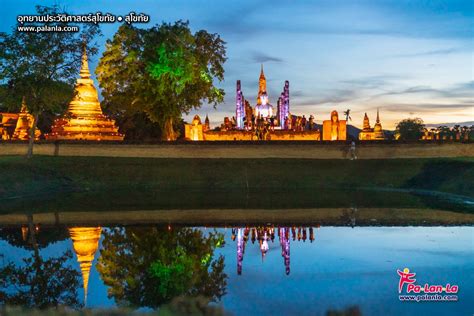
<point x="248" y="270"/>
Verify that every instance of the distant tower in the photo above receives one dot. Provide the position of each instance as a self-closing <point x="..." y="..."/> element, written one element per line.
<point x="285" y="248"/>
<point x="240" y="251"/>
<point x="378" y="131"/>
<point x="284" y="104"/>
<point x="366" y="126"/>
<point x="206" y="124"/>
<point x="239" y="107"/>
<point x="262" y="86"/>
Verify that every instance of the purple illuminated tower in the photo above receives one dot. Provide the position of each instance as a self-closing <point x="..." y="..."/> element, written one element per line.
<point x="285" y="248"/>
<point x="239" y="107"/>
<point x="284" y="105"/>
<point x="240" y="250"/>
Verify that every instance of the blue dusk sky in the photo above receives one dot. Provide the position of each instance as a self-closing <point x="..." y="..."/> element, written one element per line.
<point x="407" y="58"/>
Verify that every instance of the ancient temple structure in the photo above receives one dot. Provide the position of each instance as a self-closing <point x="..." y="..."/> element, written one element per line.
<point x="260" y="122"/>
<point x="84" y="119"/>
<point x="194" y="131"/>
<point x="85" y="241"/>
<point x="24" y="124"/>
<point x="368" y="133"/>
<point x="7" y="124"/>
<point x="265" y="235"/>
<point x="263" y="108"/>
<point x="334" y="129"/>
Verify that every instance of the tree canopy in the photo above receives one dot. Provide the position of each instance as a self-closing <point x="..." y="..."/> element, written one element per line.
<point x="163" y="71"/>
<point x="42" y="66"/>
<point x="148" y="267"/>
<point x="410" y="129"/>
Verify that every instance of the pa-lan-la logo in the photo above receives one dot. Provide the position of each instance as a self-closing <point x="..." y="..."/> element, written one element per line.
<point x="408" y="278"/>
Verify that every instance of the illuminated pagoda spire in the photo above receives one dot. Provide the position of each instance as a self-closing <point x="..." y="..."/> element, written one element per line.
<point x="85" y="241"/>
<point x="207" y="123"/>
<point x="262" y="85"/>
<point x="366" y="126"/>
<point x="84" y="119"/>
<point x="378" y="131"/>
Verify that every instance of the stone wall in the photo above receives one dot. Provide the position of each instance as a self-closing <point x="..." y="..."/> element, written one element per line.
<point x="239" y="149"/>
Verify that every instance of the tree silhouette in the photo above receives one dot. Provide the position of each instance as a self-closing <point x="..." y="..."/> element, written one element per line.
<point x="21" y="236"/>
<point x="347" y="114"/>
<point x="42" y="66"/>
<point x="410" y="129"/>
<point x="147" y="267"/>
<point x="39" y="283"/>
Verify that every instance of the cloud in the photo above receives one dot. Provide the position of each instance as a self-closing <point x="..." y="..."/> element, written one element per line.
<point x="260" y="57"/>
<point x="297" y="93"/>
<point x="373" y="82"/>
<point x="414" y="108"/>
<point x="332" y="96"/>
<point x="435" y="52"/>
<point x="460" y="90"/>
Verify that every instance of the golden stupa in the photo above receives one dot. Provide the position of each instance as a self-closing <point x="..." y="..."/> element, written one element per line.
<point x="85" y="241"/>
<point x="84" y="119"/>
<point x="24" y="124"/>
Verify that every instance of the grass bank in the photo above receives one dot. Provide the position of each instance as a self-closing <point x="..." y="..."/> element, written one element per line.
<point x="61" y="182"/>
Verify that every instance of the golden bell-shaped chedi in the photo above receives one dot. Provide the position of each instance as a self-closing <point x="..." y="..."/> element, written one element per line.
<point x="24" y="124"/>
<point x="378" y="131"/>
<point x="84" y="119"/>
<point x="85" y="241"/>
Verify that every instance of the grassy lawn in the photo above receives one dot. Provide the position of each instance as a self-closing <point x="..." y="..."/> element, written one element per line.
<point x="61" y="182"/>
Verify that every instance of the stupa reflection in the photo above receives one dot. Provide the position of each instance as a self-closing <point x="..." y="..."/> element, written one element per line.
<point x="85" y="241"/>
<point x="264" y="235"/>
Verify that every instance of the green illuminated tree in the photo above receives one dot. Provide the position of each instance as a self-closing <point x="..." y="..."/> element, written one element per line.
<point x="163" y="71"/>
<point x="42" y="66"/>
<point x="151" y="266"/>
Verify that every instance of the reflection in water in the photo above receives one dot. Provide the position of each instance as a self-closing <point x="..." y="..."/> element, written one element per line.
<point x="263" y="235"/>
<point x="85" y="241"/>
<point x="149" y="266"/>
<point x="153" y="265"/>
<point x="34" y="281"/>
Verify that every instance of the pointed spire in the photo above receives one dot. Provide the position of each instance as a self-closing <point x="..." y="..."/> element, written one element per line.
<point x="378" y="119"/>
<point x="366" y="125"/>
<point x="84" y="73"/>
<point x="262" y="75"/>
<point x="23" y="105"/>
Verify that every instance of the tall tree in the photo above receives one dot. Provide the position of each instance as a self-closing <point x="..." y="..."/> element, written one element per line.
<point x="410" y="129"/>
<point x="42" y="66"/>
<point x="151" y="266"/>
<point x="163" y="71"/>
